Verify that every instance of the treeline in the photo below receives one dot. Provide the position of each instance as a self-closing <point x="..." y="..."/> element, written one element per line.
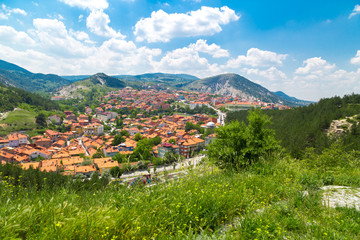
<point x="11" y="98"/>
<point x="304" y="127"/>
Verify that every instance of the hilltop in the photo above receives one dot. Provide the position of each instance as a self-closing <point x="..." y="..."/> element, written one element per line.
<point x="99" y="81"/>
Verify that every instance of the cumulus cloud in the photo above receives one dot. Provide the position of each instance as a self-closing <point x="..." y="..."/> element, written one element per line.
<point x="186" y="60"/>
<point x="162" y="27"/>
<point x="355" y="12"/>
<point x="356" y="59"/>
<point x="257" y="58"/>
<point x="315" y="67"/>
<point x="213" y="49"/>
<point x="87" y="4"/>
<point x="98" y="23"/>
<point x="53" y="37"/>
<point x="10" y="36"/>
<point x="6" y="11"/>
<point x="271" y="73"/>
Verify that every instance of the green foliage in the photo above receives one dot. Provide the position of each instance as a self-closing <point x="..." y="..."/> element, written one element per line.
<point x="125" y="133"/>
<point x="120" y="158"/>
<point x="300" y="128"/>
<point x="115" y="172"/>
<point x="11" y="98"/>
<point x="190" y="126"/>
<point x="172" y="141"/>
<point x="41" y="120"/>
<point x="238" y="146"/>
<point x="117" y="140"/>
<point x="143" y="150"/>
<point x="137" y="137"/>
<point x="86" y="162"/>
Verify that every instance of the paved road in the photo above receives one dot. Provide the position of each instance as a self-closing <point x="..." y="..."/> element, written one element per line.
<point x="186" y="163"/>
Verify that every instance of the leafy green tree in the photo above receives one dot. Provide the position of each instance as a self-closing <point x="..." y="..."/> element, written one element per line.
<point x="137" y="137"/>
<point x="115" y="172"/>
<point x="41" y="120"/>
<point x="120" y="158"/>
<point x="155" y="141"/>
<point x="172" y="141"/>
<point x="117" y="140"/>
<point x="143" y="150"/>
<point x="238" y="145"/>
<point x="125" y="133"/>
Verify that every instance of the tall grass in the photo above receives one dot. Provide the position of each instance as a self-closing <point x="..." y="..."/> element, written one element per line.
<point x="267" y="202"/>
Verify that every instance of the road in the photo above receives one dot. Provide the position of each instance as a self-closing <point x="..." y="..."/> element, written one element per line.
<point x="186" y="163"/>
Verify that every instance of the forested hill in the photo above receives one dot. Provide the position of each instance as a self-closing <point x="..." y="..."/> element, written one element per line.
<point x="13" y="75"/>
<point x="304" y="127"/>
<point x="11" y="98"/>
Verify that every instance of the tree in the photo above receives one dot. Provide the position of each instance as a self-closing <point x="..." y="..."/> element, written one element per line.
<point x="41" y="120"/>
<point x="156" y="141"/>
<point x="238" y="145"/>
<point x="137" y="137"/>
<point x="115" y="172"/>
<point x="117" y="140"/>
<point x="125" y="133"/>
<point x="172" y="141"/>
<point x="143" y="150"/>
<point x="120" y="158"/>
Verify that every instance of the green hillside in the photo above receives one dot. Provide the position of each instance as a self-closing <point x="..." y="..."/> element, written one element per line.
<point x="304" y="127"/>
<point x="11" y="98"/>
<point x="13" y="75"/>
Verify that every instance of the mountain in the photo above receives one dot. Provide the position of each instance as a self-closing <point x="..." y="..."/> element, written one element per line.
<point x="236" y="85"/>
<point x="166" y="79"/>
<point x="97" y="82"/>
<point x="292" y="99"/>
<point x="13" y="75"/>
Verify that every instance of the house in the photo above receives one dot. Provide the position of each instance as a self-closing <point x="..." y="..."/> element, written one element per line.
<point x="4" y="143"/>
<point x="128" y="145"/>
<point x="188" y="146"/>
<point x="5" y="156"/>
<point x="53" y="135"/>
<point x="105" y="164"/>
<point x="16" y="139"/>
<point x="106" y="116"/>
<point x="167" y="147"/>
<point x="93" y="129"/>
<point x="86" y="170"/>
<point x="110" y="151"/>
<point x="57" y="98"/>
<point x="77" y="129"/>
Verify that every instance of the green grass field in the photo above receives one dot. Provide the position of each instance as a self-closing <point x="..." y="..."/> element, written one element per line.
<point x="266" y="202"/>
<point x="18" y="120"/>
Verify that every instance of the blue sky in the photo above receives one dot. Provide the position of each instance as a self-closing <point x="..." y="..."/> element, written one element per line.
<point x="308" y="49"/>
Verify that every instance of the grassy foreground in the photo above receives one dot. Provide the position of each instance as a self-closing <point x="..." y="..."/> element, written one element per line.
<point x="18" y="120"/>
<point x="264" y="202"/>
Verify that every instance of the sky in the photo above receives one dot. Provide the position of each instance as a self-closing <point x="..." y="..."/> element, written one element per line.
<point x="307" y="49"/>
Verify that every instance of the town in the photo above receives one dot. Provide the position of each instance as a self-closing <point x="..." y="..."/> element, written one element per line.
<point x="130" y="129"/>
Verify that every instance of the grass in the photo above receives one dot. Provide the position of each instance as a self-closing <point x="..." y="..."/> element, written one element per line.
<point x="18" y="120"/>
<point x="266" y="202"/>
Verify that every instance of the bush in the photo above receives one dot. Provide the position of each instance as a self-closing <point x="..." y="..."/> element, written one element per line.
<point x="238" y="146"/>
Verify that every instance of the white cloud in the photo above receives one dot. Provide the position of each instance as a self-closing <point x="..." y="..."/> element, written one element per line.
<point x="53" y="37"/>
<point x="355" y="12"/>
<point x="315" y="67"/>
<point x="6" y="11"/>
<point x="98" y="23"/>
<point x="10" y="36"/>
<point x="162" y="27"/>
<point x="81" y="17"/>
<point x="257" y="58"/>
<point x="356" y="59"/>
<point x="271" y="73"/>
<point x="213" y="49"/>
<point x="186" y="60"/>
<point x="81" y="36"/>
<point x="87" y="4"/>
